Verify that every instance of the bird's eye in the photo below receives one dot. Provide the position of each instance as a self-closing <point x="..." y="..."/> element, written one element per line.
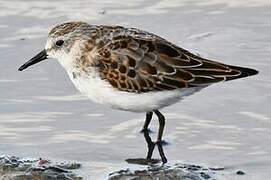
<point x="59" y="42"/>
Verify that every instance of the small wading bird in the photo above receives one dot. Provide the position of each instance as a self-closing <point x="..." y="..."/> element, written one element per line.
<point x="131" y="69"/>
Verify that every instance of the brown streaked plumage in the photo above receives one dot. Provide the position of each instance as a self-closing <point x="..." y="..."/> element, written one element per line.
<point x="141" y="64"/>
<point x="131" y="69"/>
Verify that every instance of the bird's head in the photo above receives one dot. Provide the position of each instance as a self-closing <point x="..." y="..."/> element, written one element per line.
<point x="63" y="41"/>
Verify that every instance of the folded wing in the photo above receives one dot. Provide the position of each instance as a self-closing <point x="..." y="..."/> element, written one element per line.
<point x="142" y="65"/>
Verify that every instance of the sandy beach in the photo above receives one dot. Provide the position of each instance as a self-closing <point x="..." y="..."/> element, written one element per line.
<point x="226" y="125"/>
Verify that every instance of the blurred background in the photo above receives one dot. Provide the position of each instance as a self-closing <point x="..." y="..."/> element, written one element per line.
<point x="227" y="124"/>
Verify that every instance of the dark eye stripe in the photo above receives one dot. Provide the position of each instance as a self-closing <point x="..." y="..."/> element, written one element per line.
<point x="59" y="42"/>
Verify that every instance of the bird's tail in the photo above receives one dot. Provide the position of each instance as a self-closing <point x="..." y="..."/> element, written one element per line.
<point x="244" y="72"/>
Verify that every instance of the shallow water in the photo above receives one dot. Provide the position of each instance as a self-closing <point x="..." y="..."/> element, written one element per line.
<point x="228" y="124"/>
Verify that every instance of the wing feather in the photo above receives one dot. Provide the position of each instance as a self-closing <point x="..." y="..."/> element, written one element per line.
<point x="140" y="65"/>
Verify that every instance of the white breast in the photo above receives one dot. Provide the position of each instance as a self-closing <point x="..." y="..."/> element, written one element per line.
<point x="100" y="91"/>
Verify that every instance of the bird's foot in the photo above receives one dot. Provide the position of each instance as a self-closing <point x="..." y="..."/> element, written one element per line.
<point x="164" y="160"/>
<point x="160" y="144"/>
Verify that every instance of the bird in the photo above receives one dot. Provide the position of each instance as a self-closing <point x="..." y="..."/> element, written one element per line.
<point x="131" y="69"/>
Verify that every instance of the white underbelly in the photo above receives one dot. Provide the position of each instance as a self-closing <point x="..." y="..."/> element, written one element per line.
<point x="100" y="91"/>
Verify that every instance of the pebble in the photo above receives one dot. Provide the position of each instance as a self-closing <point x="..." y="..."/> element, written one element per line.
<point x="169" y="172"/>
<point x="16" y="168"/>
<point x="240" y="172"/>
<point x="102" y="12"/>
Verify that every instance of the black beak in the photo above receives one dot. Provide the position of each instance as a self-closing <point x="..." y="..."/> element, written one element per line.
<point x="38" y="58"/>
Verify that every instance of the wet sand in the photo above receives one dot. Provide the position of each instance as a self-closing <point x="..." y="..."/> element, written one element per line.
<point x="226" y="125"/>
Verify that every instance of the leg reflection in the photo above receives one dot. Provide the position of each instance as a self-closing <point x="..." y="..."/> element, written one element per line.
<point x="151" y="146"/>
<point x="150" y="143"/>
<point x="161" y="152"/>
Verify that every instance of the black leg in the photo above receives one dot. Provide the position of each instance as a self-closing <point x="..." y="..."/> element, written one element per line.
<point x="161" y="152"/>
<point x="147" y="121"/>
<point x="150" y="143"/>
<point x="161" y="119"/>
